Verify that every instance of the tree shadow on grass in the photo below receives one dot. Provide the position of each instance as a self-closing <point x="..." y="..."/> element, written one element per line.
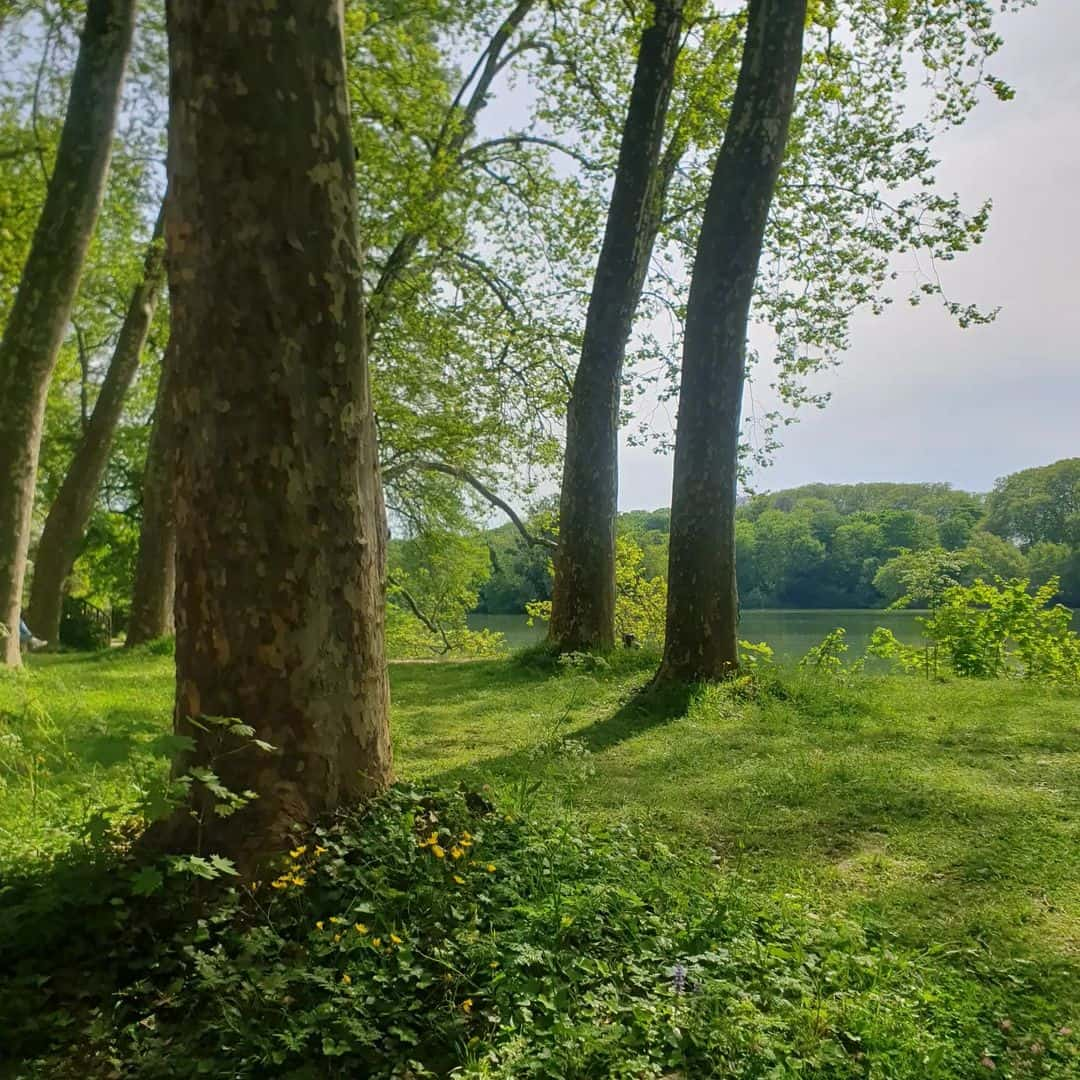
<point x="451" y="680"/>
<point x="647" y="709"/>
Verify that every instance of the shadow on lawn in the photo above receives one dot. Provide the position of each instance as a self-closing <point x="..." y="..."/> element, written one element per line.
<point x="647" y="709"/>
<point x="460" y="680"/>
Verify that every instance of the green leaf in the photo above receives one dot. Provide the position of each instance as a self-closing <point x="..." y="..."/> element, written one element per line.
<point x="146" y="880"/>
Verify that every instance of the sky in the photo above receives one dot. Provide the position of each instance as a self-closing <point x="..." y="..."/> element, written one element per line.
<point x="918" y="399"/>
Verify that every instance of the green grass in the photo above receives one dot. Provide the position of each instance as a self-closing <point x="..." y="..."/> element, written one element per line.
<point x="944" y="814"/>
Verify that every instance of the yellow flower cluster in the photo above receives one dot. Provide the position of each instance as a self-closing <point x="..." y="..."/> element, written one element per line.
<point x="295" y="874"/>
<point x="432" y="842"/>
<point x="458" y="850"/>
<point x="360" y="928"/>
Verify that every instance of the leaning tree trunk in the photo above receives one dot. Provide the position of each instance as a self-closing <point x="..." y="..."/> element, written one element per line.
<point x="702" y="612"/>
<point x="583" y="596"/>
<point x="151" y="614"/>
<point x="39" y="316"/>
<point x="280" y="545"/>
<point x="68" y="516"/>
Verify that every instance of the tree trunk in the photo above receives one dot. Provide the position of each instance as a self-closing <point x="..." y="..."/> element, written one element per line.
<point x="71" y="510"/>
<point x="702" y="612"/>
<point x="583" y="596"/>
<point x="151" y="613"/>
<point x="280" y="567"/>
<point x="39" y="316"/>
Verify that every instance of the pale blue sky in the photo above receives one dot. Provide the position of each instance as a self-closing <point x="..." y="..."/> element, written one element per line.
<point x="916" y="397"/>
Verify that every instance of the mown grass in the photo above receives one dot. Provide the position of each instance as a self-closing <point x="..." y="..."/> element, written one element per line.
<point x="946" y="815"/>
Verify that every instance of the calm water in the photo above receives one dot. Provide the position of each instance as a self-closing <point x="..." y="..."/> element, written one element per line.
<point x="790" y="633"/>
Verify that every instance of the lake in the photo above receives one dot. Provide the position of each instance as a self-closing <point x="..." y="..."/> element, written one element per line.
<point x="789" y="633"/>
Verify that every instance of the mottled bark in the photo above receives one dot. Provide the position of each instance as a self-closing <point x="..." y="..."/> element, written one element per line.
<point x="280" y="546"/>
<point x="39" y="315"/>
<point x="583" y="596"/>
<point x="70" y="512"/>
<point x="151" y="613"/>
<point x="702" y="613"/>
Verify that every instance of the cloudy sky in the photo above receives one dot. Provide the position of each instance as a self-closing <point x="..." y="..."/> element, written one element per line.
<point x="916" y="398"/>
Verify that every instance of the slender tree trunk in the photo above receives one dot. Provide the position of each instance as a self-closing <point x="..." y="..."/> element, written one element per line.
<point x="39" y="316"/>
<point x="280" y="545"/>
<point x="583" y="597"/>
<point x="68" y="516"/>
<point x="702" y="612"/>
<point x="151" y="613"/>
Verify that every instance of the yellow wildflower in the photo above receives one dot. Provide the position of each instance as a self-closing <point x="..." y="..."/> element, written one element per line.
<point x="335" y="919"/>
<point x="298" y="881"/>
<point x="319" y="851"/>
<point x="361" y="928"/>
<point x="432" y="839"/>
<point x="459" y="879"/>
<point x="466" y="837"/>
<point x="281" y="883"/>
<point x="346" y="980"/>
<point x="456" y="852"/>
<point x="337" y="938"/>
<point x="437" y="851"/>
<point x="297" y="852"/>
<point x="467" y="1005"/>
<point x="494" y="964"/>
<point x="490" y="868"/>
<point x="376" y="941"/>
<point x="319" y="925"/>
<point x="395" y="939"/>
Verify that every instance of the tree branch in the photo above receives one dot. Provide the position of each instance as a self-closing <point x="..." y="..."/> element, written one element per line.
<point x="466" y="477"/>
<point x="450" y="141"/>
<point x="432" y="625"/>
<point x="521" y="139"/>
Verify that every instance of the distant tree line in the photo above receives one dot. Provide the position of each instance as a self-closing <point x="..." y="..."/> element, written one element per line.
<point x="846" y="545"/>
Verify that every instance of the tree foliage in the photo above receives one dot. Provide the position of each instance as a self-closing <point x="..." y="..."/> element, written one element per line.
<point x="1040" y="505"/>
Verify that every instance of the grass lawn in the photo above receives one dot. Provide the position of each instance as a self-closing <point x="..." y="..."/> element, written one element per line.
<point x="946" y="815"/>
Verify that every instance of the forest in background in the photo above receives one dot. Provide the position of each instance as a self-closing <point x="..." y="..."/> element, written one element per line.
<point x="845" y="545"/>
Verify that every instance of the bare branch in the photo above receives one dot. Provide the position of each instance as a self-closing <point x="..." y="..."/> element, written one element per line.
<point x="466" y="477"/>
<point x="521" y="139"/>
<point x="433" y="626"/>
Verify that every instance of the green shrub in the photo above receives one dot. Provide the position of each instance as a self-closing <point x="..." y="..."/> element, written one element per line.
<point x="991" y="631"/>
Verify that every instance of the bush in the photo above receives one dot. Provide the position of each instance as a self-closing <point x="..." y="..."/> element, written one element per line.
<point x="991" y="631"/>
<point x="432" y="933"/>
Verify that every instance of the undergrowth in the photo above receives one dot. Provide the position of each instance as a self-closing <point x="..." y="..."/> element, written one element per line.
<point x="433" y="933"/>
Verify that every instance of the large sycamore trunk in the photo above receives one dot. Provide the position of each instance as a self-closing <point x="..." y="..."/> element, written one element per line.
<point x="70" y="512"/>
<point x="39" y="316"/>
<point x="702" y="613"/>
<point x="152" y="593"/>
<point x="583" y="595"/>
<point x="279" y="513"/>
